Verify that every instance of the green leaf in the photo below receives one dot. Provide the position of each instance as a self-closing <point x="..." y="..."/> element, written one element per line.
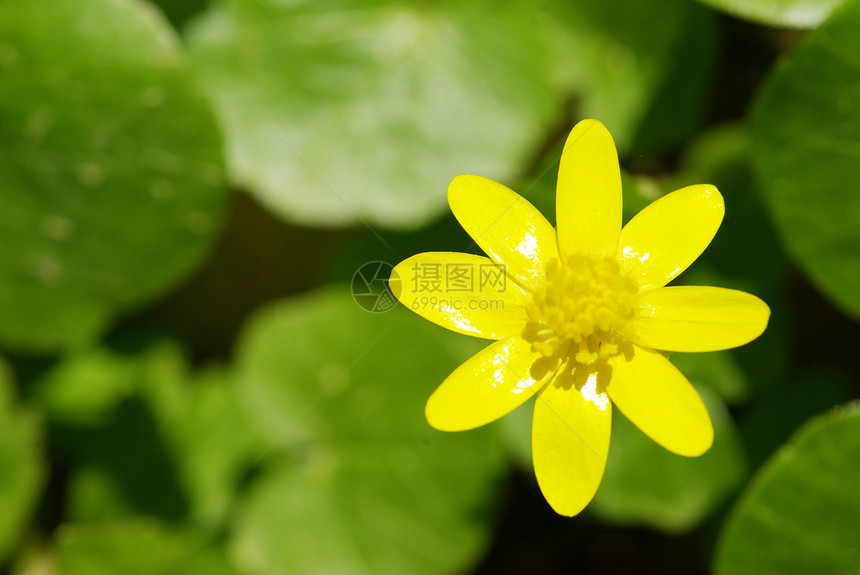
<point x="718" y="370"/>
<point x="770" y="421"/>
<point x="21" y="467"/>
<point x="679" y="105"/>
<point x="86" y="385"/>
<point x="147" y="436"/>
<point x="210" y="436"/>
<point x="179" y="12"/>
<point x="141" y="547"/>
<point x="515" y="431"/>
<point x="111" y="171"/>
<point x="618" y="58"/>
<point x="122" y="467"/>
<point x="341" y="112"/>
<point x="95" y="495"/>
<point x="645" y="484"/>
<point x="806" y="130"/>
<point x="790" y="13"/>
<point x="799" y="514"/>
<point x="356" y="481"/>
<point x="337" y="113"/>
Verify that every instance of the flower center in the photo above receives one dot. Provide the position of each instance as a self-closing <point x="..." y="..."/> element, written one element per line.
<point x="582" y="311"/>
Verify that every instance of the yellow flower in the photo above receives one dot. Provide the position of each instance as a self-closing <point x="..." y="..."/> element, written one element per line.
<point x="580" y="314"/>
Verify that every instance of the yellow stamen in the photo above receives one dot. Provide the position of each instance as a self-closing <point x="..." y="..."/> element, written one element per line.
<point x="585" y="301"/>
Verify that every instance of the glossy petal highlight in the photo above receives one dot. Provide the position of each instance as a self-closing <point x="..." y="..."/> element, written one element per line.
<point x="570" y="440"/>
<point x="659" y="400"/>
<point x="694" y="318"/>
<point x="487" y="386"/>
<point x="588" y="198"/>
<point x="505" y="225"/>
<point x="662" y="240"/>
<point x="462" y="292"/>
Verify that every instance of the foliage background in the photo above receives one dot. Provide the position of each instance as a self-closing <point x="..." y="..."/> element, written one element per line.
<point x="188" y="187"/>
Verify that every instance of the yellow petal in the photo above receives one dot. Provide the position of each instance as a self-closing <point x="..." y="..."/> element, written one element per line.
<point x="667" y="236"/>
<point x="465" y="293"/>
<point x="505" y="225"/>
<point x="659" y="400"/>
<point x="487" y="386"/>
<point x="570" y="440"/>
<point x="588" y="199"/>
<point x="694" y="318"/>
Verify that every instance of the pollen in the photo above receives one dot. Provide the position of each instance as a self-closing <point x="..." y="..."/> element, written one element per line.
<point x="582" y="312"/>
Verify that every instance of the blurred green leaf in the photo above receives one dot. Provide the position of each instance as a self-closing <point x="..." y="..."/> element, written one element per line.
<point x="515" y="430"/>
<point x="95" y="495"/>
<point x="719" y="371"/>
<point x="148" y="437"/>
<point x="21" y="467"/>
<point x="644" y="484"/>
<point x="139" y="547"/>
<point x="791" y="13"/>
<point x="87" y="384"/>
<point x="122" y="467"/>
<point x="35" y="558"/>
<point x="179" y="12"/>
<point x="111" y="172"/>
<point x="356" y="481"/>
<point x="800" y="513"/>
<point x="210" y="436"/>
<point x="618" y="57"/>
<point x="806" y="131"/>
<point x="684" y="92"/>
<point x="771" y="420"/>
<point x="337" y="112"/>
